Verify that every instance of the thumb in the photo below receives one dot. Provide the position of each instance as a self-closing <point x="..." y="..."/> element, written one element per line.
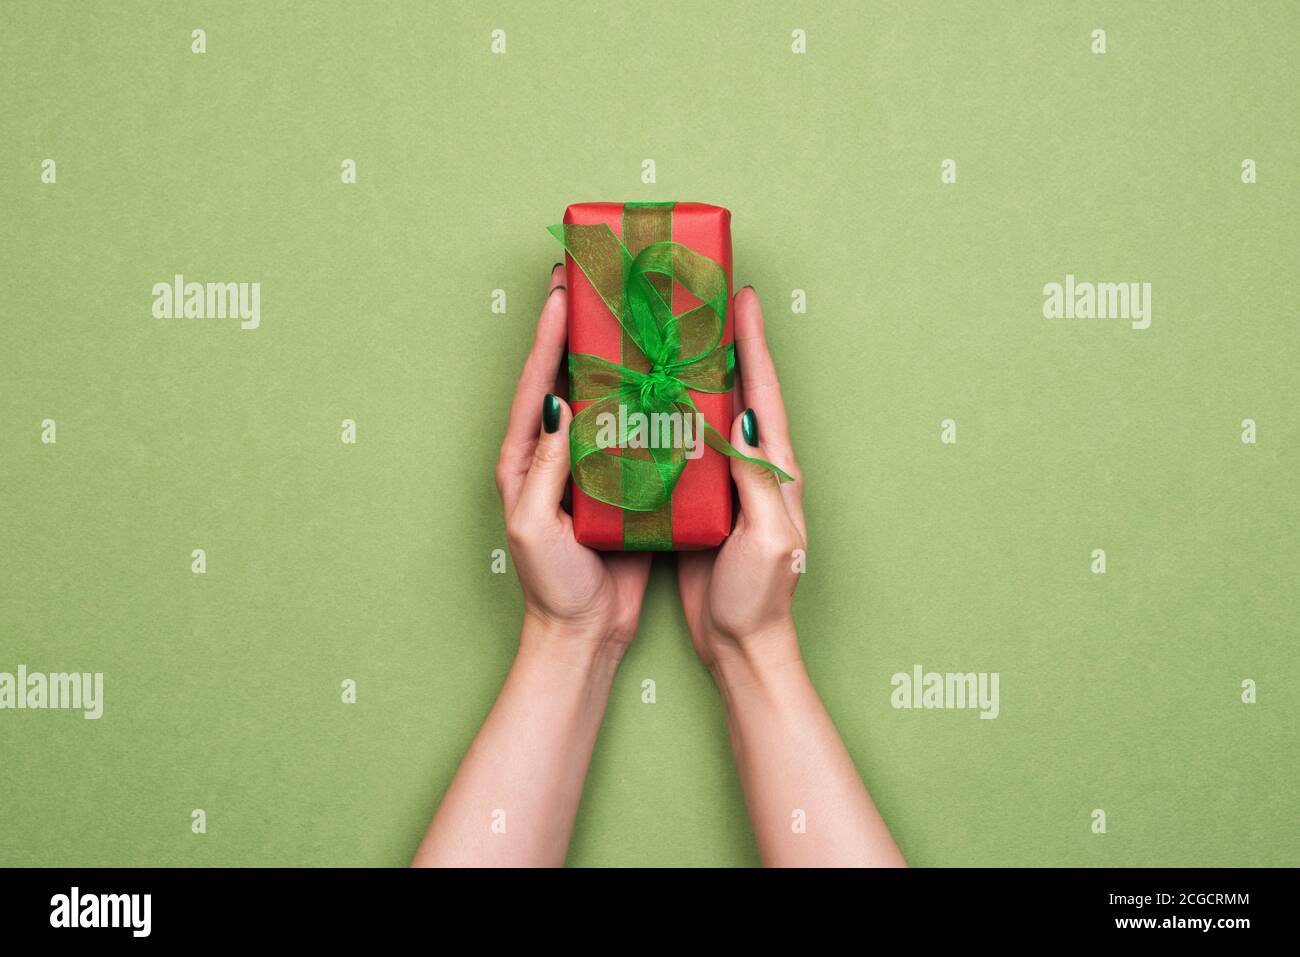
<point x="761" y="501"/>
<point x="544" y="484"/>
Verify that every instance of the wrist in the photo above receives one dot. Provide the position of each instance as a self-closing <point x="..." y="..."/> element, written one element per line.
<point x="592" y="648"/>
<point x="760" y="660"/>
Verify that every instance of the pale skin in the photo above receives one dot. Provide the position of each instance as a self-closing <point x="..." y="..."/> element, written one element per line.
<point x="514" y="798"/>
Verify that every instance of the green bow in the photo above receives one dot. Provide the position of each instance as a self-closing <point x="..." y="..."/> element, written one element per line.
<point x="677" y="353"/>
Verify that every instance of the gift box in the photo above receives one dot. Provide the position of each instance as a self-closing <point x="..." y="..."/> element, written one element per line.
<point x="650" y="333"/>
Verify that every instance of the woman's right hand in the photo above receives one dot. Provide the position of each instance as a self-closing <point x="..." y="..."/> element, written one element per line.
<point x="738" y="598"/>
<point x="792" y="762"/>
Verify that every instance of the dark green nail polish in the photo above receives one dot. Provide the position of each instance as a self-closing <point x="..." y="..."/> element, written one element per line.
<point x="749" y="428"/>
<point x="550" y="413"/>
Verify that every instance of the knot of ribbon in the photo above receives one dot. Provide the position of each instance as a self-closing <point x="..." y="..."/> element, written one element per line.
<point x="630" y="445"/>
<point x="660" y="387"/>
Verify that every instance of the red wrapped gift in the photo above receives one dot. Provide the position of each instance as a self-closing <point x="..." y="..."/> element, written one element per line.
<point x="698" y="514"/>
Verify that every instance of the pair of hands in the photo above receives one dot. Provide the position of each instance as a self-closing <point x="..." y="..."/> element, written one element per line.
<point x="582" y="602"/>
<point x="528" y="762"/>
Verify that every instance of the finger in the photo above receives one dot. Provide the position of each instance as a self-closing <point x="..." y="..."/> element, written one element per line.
<point x="761" y="501"/>
<point x="548" y="474"/>
<point x="557" y="276"/>
<point x="791" y="491"/>
<point x="760" y="390"/>
<point x="535" y="381"/>
<point x="541" y="366"/>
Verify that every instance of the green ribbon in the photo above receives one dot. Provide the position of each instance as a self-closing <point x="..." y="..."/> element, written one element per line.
<point x="676" y="353"/>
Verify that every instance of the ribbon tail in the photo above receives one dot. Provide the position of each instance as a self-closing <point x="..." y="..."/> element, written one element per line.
<point x="714" y="440"/>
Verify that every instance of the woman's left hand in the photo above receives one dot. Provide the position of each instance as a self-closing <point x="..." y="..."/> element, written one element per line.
<point x="577" y="601"/>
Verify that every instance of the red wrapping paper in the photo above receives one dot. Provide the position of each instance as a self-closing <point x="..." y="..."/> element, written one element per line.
<point x="701" y="503"/>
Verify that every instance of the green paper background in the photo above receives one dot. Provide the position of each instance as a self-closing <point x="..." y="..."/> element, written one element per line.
<point x="328" y="561"/>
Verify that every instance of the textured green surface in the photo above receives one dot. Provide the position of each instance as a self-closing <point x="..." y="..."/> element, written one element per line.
<point x="326" y="561"/>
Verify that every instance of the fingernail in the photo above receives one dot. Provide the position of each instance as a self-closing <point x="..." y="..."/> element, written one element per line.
<point x="555" y="267"/>
<point x="750" y="288"/>
<point x="550" y="413"/>
<point x="749" y="428"/>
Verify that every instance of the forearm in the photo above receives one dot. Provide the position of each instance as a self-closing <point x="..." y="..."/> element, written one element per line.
<point x="513" y="800"/>
<point x="806" y="800"/>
